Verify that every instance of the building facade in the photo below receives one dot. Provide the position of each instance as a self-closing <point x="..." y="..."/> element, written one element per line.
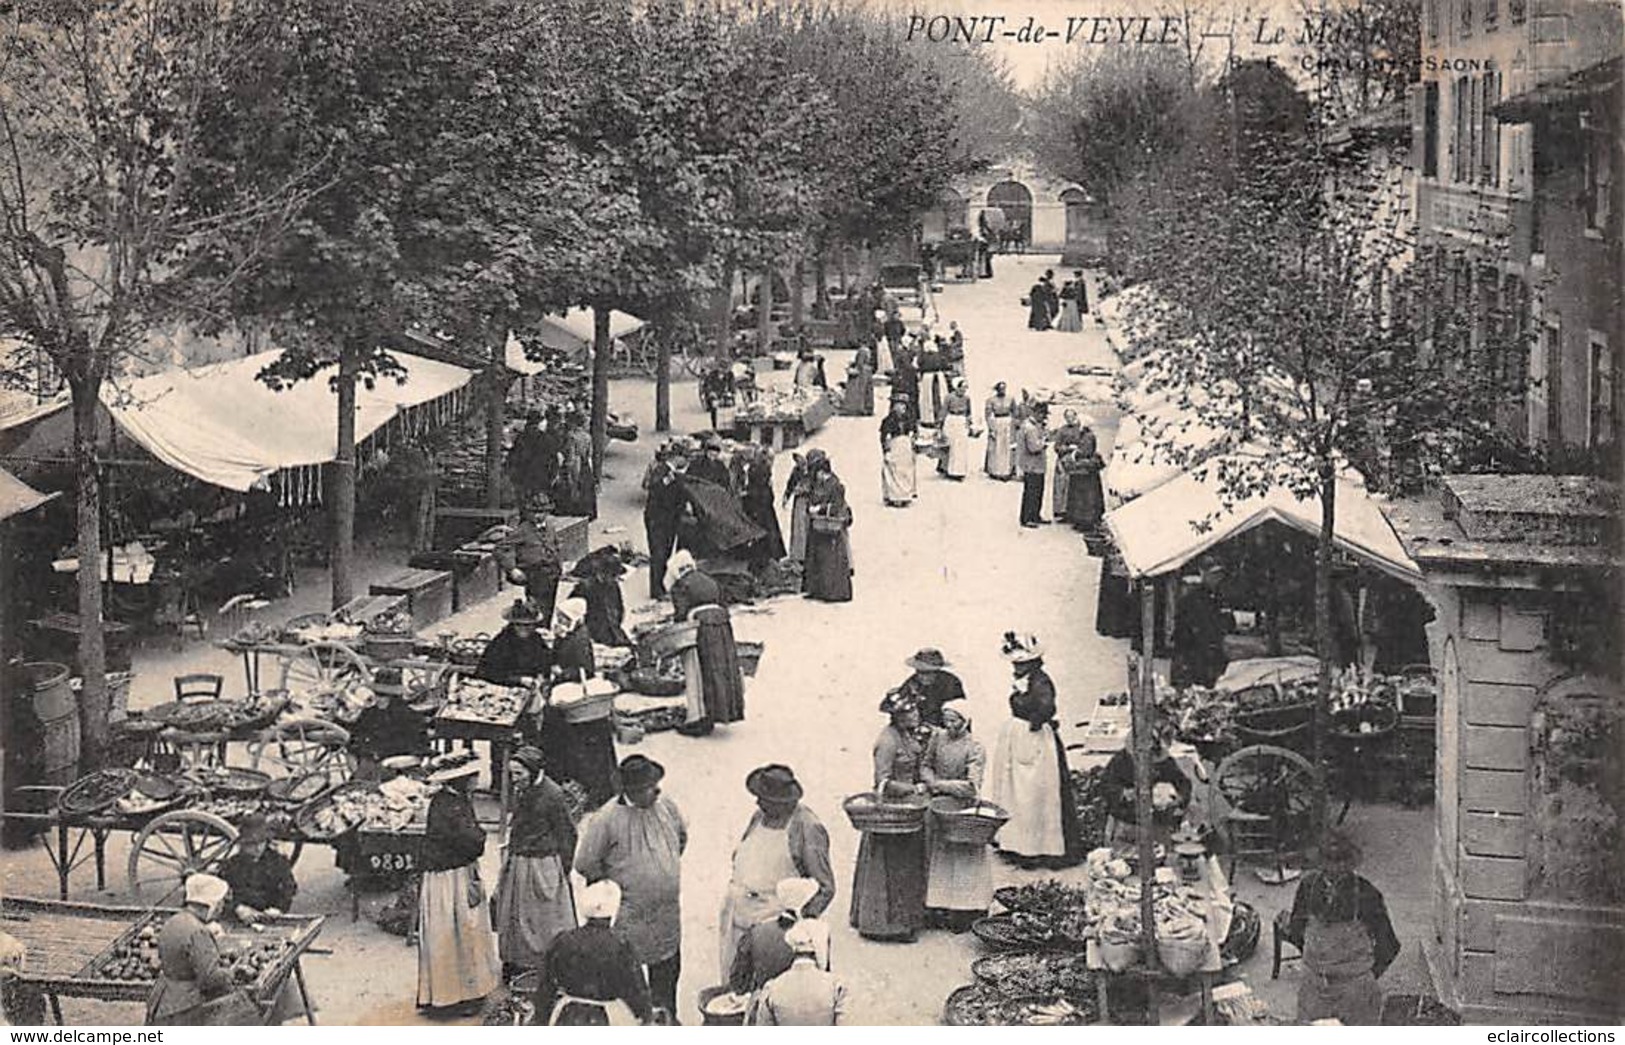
<point x="1519" y="203"/>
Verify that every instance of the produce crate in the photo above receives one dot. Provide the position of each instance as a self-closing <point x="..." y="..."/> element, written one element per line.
<point x="475" y="574"/>
<point x="454" y="527"/>
<point x="428" y="594"/>
<point x="364" y="608"/>
<point x="572" y="534"/>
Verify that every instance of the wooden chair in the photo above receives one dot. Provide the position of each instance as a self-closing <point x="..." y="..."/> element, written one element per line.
<point x="198" y="688"/>
<point x="1281" y="936"/>
<point x="186" y="750"/>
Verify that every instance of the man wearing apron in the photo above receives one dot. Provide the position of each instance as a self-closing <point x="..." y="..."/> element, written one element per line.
<point x="593" y="978"/>
<point x="783" y="840"/>
<point x="1347" y="939"/>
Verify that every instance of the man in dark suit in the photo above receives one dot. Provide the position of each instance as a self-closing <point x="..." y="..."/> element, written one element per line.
<point x="662" y="512"/>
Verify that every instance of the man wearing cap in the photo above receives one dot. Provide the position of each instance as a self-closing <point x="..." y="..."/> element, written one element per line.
<point x="530" y="554"/>
<point x="261" y="878"/>
<point x="593" y="977"/>
<point x="804" y="995"/>
<point x="784" y="840"/>
<point x="519" y="650"/>
<point x="662" y="513"/>
<point x="932" y="685"/>
<point x="1032" y="452"/>
<point x="191" y="974"/>
<point x="763" y="954"/>
<point x="533" y="900"/>
<point x="637" y="842"/>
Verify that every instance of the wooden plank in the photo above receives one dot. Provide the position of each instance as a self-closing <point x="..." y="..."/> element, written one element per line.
<point x="1492" y="878"/>
<point x="1493" y="834"/>
<point x="1496" y="704"/>
<point x="1496" y="747"/>
<point x="1557" y="957"/>
<point x="1493" y="791"/>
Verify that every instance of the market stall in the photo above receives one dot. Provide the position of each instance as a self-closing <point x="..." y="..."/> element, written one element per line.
<point x="110" y="954"/>
<point x="783" y="418"/>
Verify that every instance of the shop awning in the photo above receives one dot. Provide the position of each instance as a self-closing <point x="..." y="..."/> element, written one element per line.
<point x="572" y="332"/>
<point x="1175" y="523"/>
<point x="1576" y="89"/>
<point x="223" y="425"/>
<point x="17" y="497"/>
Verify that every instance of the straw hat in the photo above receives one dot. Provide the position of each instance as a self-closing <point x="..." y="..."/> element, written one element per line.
<point x="928" y="659"/>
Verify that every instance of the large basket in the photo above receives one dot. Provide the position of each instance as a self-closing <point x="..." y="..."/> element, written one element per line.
<point x="712" y="1019"/>
<point x="826" y="524"/>
<point x="1118" y="955"/>
<point x="967" y="822"/>
<point x="1182" y="957"/>
<point x="674" y="639"/>
<point x="578" y="702"/>
<point x="869" y="812"/>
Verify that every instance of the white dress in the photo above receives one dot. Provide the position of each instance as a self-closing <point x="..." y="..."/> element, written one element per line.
<point x="1025" y="769"/>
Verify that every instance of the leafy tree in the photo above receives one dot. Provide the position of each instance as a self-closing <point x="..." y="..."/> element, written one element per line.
<point x="102" y="116"/>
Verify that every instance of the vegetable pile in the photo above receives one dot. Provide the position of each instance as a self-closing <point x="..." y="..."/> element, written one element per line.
<point x="1089" y="792"/>
<point x="982" y="1005"/>
<point x="1051" y="975"/>
<point x="475" y="700"/>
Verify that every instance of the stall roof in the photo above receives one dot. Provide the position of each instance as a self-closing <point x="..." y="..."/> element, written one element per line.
<point x="223" y="425"/>
<point x="1163" y="530"/>
<point x="17" y="497"/>
<point x="572" y="332"/>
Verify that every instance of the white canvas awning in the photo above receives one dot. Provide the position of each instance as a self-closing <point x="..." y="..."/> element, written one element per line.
<point x="223" y="425"/>
<point x="1160" y="532"/>
<point x="17" y="497"/>
<point x="572" y="332"/>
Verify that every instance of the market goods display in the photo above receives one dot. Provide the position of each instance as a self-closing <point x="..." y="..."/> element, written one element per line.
<point x="133" y="958"/>
<point x="475" y="700"/>
<point x="1047" y="895"/>
<point x="968" y="822"/>
<point x="97" y="792"/>
<point x="254" y="633"/>
<point x="1029" y="931"/>
<point x="468" y="651"/>
<point x="249" y="959"/>
<point x="231" y="780"/>
<point x="388" y="807"/>
<point x="314" y="627"/>
<point x="978" y="1005"/>
<point x="1050" y="975"/>
<point x="148" y="795"/>
<point x="296" y="790"/>
<point x="1089" y="794"/>
<point x="779" y="404"/>
<point x="257" y="712"/>
<point x="664" y="680"/>
<point x="195" y="717"/>
<point x="228" y="809"/>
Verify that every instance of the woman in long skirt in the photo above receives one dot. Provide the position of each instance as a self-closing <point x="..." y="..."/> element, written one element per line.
<point x="897" y="482"/>
<point x="858" y="394"/>
<point x="956" y="432"/>
<point x="1086" y="498"/>
<point x="1001" y="444"/>
<point x="457" y="951"/>
<point x="888" y="887"/>
<point x="1030" y="778"/>
<point x="533" y="902"/>
<point x="1066" y="437"/>
<point x="828" y="573"/>
<point x="959" y="884"/>
<point x="754" y="481"/>
<point x="1069" y="319"/>
<point x="795" y="495"/>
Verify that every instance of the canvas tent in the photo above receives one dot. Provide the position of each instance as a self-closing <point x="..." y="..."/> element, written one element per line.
<point x="17" y="497"/>
<point x="572" y="332"/>
<point x="1175" y="523"/>
<point x="223" y="425"/>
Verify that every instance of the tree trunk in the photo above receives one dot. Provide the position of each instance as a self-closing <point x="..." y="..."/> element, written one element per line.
<point x="798" y="284"/>
<point x="764" y="313"/>
<point x="1323" y="634"/>
<point x="846" y="276"/>
<point x="600" y="387"/>
<point x="496" y="416"/>
<point x="342" y="552"/>
<point x="663" y="337"/>
<point x="821" y="282"/>
<point x="93" y="705"/>
<point x="1144" y="699"/>
<point x="724" y="312"/>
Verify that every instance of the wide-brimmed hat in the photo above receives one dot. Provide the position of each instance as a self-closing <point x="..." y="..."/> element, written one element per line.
<point x="928" y="659"/>
<point x="898" y="702"/>
<point x="775" y="783"/>
<point x="388" y="682"/>
<point x="1020" y="647"/>
<point x="455" y="766"/>
<point x="523" y="611"/>
<point x="714" y="442"/>
<point x="816" y="457"/>
<point x="639" y="772"/>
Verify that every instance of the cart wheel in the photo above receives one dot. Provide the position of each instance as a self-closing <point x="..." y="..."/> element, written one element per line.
<point x="420" y="676"/>
<point x="303" y="746"/>
<point x="173" y="846"/>
<point x="1272" y="782"/>
<point x="322" y="668"/>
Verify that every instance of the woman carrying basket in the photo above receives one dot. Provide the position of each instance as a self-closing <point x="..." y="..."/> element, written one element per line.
<point x="888" y="887"/>
<point x="959" y="883"/>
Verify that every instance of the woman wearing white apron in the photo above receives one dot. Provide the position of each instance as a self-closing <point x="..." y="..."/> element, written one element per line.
<point x="593" y="978"/>
<point x="956" y="432"/>
<point x="897" y="482"/>
<point x="1001" y="445"/>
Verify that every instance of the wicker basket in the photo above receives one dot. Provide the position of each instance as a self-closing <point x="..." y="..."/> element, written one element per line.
<point x="1118" y="955"/>
<point x="869" y="812"/>
<point x="967" y="822"/>
<point x="586" y="702"/>
<point x="826" y="524"/>
<point x="1182" y="957"/>
<point x="674" y="639"/>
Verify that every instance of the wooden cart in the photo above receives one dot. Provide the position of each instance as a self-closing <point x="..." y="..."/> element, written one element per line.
<point x="69" y="946"/>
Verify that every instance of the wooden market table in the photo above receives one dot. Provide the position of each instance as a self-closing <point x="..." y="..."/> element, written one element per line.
<point x="67" y="945"/>
<point x="778" y="432"/>
<point x="501" y="735"/>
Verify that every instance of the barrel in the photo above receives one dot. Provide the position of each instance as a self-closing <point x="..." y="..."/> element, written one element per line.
<point x="58" y="713"/>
